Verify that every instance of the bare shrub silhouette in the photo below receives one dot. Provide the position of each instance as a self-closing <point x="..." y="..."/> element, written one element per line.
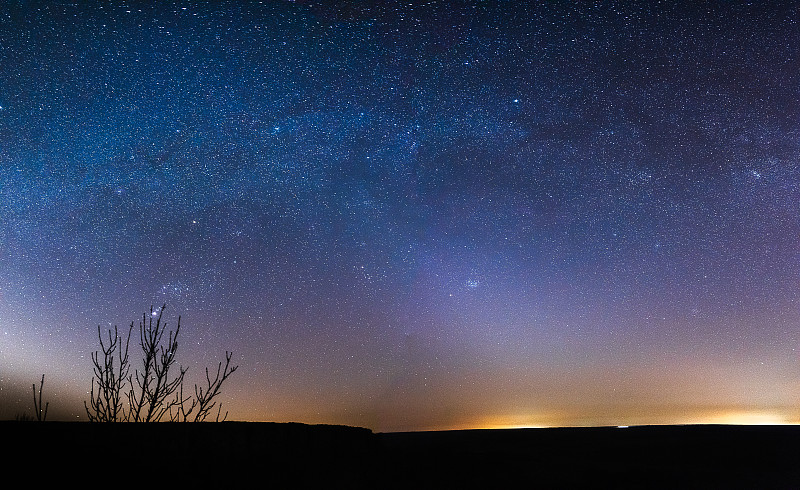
<point x="154" y="393"/>
<point x="204" y="399"/>
<point x="39" y="412"/>
<point x="150" y="402"/>
<point x="106" y="402"/>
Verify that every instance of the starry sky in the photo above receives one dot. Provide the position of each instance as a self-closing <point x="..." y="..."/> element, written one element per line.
<point x="410" y="215"/>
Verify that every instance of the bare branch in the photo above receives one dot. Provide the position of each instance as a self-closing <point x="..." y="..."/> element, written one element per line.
<point x="40" y="413"/>
<point x="156" y="388"/>
<point x="106" y="403"/>
<point x="205" y="398"/>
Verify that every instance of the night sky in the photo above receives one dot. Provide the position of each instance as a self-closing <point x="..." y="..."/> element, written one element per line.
<point x="410" y="215"/>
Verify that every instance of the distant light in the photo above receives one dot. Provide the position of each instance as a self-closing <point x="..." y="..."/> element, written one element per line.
<point x="622" y="426"/>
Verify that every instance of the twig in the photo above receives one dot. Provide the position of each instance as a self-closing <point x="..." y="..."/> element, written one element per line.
<point x="41" y="415"/>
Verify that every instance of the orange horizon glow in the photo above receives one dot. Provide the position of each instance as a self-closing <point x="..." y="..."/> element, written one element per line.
<point x="568" y="419"/>
<point x="719" y="417"/>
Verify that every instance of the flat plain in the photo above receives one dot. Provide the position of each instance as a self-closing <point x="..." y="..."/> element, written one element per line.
<point x="301" y="455"/>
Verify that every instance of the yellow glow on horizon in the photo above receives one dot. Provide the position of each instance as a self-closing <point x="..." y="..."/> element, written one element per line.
<point x="561" y="417"/>
<point x="749" y="418"/>
<point x="519" y="421"/>
<point x="699" y="417"/>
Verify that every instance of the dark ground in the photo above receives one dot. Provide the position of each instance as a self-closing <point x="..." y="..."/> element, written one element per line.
<point x="296" y="455"/>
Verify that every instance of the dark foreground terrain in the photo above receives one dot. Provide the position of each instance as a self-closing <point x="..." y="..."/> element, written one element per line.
<point x="271" y="455"/>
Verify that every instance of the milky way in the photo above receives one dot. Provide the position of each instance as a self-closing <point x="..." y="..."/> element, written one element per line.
<point x="410" y="215"/>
